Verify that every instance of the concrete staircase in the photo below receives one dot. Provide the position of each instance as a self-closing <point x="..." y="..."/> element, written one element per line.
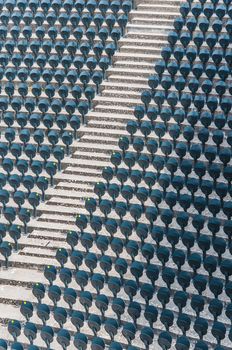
<point x="126" y="79"/>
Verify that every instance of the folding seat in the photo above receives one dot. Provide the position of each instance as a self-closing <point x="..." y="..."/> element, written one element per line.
<point x="86" y="241"/>
<point x="52" y="32"/>
<point x="74" y="19"/>
<point x="223" y="72"/>
<point x="15" y="234"/>
<point x="39" y="18"/>
<point x="152" y="113"/>
<point x="5" y="17"/>
<point x="19" y="198"/>
<point x="102" y="242"/>
<point x="166" y="83"/>
<point x="216" y="286"/>
<point x="211" y="40"/>
<point x="75" y="257"/>
<point x="59" y="48"/>
<point x="10" y="135"/>
<point x="165" y="340"/>
<point x="129" y="331"/>
<point x="203" y="241"/>
<point x="47" y="77"/>
<point x="80" y="341"/>
<point x="38" y="291"/>
<point x="53" y="137"/>
<point x="91" y="6"/>
<point x="94" y="323"/>
<point x="171" y="199"/>
<point x="167" y="318"/>
<point x="147" y="335"/>
<point x="27" y="32"/>
<point x="62" y="256"/>
<point x="86" y="19"/>
<point x="97" y="282"/>
<point x="15" y="31"/>
<point x="78" y="34"/>
<point x="201" y="326"/>
<point x="121" y="210"/>
<point x="86" y="300"/>
<point x="157" y="234"/>
<point x="217" y="56"/>
<point x="16" y="17"/>
<point x="110" y="50"/>
<point x="198" y="39"/>
<point x="79" y="6"/>
<point x="185" y="37"/>
<point x="186" y="100"/>
<point x="26" y="310"/>
<point x="172" y="68"/>
<point x="132" y="247"/>
<point x="30" y="332"/>
<point x="138" y="145"/>
<point x="50" y="273"/>
<point x="10" y="73"/>
<point x="28" y="182"/>
<point x="110" y="21"/>
<point x="225" y="156"/>
<point x="65" y="33"/>
<point x="220" y="11"/>
<point x="115" y="35"/>
<point x="35" y="46"/>
<point x="65" y="276"/>
<point x="218" y="331"/>
<point x="91" y="261"/>
<point x="184" y="279"/>
<point x="200" y="283"/>
<point x="210" y="264"/>
<point x="47" y="333"/>
<point x="173" y="35"/>
<point x="70" y="297"/>
<point x="5" y="250"/>
<point x="63" y="19"/>
<point x="224" y="40"/>
<point x="81" y="278"/>
<point x="54" y="293"/>
<point x="14" y="181"/>
<point x="207" y="188"/>
<point x="98" y="21"/>
<point x="9" y="90"/>
<point x="51" y="169"/>
<point x="215" y="308"/>
<point x="166" y="54"/>
<point x="77" y="319"/>
<point x="168" y="276"/>
<point x="14" y="328"/>
<point x="163" y="255"/>
<point x="56" y="6"/>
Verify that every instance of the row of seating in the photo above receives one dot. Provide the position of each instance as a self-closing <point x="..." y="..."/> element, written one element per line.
<point x="150" y="259"/>
<point x="16" y="10"/>
<point x="54" y="56"/>
<point x="151" y="170"/>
